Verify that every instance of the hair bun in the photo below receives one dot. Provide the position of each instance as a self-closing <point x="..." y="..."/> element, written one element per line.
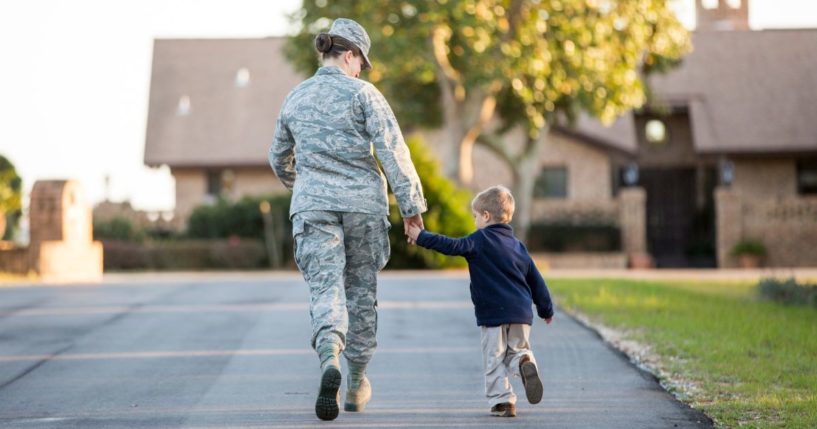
<point x="323" y="42"/>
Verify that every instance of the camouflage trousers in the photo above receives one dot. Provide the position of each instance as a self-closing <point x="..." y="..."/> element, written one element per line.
<point x="340" y="255"/>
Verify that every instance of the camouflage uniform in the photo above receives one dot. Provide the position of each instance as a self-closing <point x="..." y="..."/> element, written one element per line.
<point x="322" y="151"/>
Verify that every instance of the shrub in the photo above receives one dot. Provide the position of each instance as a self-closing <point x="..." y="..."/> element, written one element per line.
<point x="117" y="228"/>
<point x="244" y="219"/>
<point x="788" y="291"/>
<point x="245" y="254"/>
<point x="750" y="247"/>
<point x="449" y="213"/>
<point x="567" y="236"/>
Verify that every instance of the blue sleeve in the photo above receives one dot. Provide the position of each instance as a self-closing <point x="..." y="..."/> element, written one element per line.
<point x="465" y="246"/>
<point x="540" y="292"/>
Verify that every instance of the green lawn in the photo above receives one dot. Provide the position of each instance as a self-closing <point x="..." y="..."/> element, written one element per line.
<point x="754" y="362"/>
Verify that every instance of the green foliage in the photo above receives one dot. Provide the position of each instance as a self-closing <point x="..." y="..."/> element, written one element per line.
<point x="118" y="228"/>
<point x="241" y="218"/>
<point x="448" y="213"/>
<point x="564" y="236"/>
<point x="10" y="196"/>
<point x="547" y="56"/>
<point x="174" y="255"/>
<point x="788" y="291"/>
<point x="751" y="362"/>
<point x="750" y="247"/>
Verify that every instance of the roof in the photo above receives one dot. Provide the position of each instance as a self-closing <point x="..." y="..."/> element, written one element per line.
<point x="746" y="92"/>
<point x="227" y="124"/>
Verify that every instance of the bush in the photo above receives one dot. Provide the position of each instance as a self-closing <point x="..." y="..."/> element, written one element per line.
<point x="241" y="218"/>
<point x="244" y="219"/>
<point x="449" y="213"/>
<point x="566" y="236"/>
<point x="750" y="247"/>
<point x="119" y="229"/>
<point x="788" y="291"/>
<point x="244" y="254"/>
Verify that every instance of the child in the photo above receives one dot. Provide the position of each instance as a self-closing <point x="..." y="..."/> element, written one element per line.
<point x="504" y="284"/>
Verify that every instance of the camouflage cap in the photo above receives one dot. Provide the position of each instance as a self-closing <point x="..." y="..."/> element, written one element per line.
<point x="355" y="33"/>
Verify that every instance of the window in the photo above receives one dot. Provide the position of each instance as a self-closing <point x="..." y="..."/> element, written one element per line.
<point x="807" y="177"/>
<point x="242" y="78"/>
<point x="183" y="108"/>
<point x="734" y="4"/>
<point x="214" y="182"/>
<point x="710" y="4"/>
<point x="551" y="183"/>
<point x="655" y="132"/>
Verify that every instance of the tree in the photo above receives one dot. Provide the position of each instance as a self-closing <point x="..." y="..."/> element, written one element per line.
<point x="10" y="197"/>
<point x="524" y="62"/>
<point x="449" y="213"/>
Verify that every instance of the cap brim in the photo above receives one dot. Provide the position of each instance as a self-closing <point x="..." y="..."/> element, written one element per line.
<point x="366" y="64"/>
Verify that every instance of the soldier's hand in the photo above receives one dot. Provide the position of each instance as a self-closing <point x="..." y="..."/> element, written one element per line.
<point x="408" y="222"/>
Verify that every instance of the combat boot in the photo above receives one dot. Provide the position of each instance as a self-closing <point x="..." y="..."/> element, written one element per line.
<point x="358" y="389"/>
<point x="326" y="406"/>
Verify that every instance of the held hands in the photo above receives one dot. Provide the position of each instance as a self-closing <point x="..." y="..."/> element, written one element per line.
<point x="413" y="225"/>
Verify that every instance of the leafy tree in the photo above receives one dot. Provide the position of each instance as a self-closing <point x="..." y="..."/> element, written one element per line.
<point x="524" y="62"/>
<point x="10" y="197"/>
<point x="448" y="213"/>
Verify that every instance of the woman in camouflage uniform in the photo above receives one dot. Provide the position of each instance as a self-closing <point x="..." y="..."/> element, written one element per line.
<point x="323" y="153"/>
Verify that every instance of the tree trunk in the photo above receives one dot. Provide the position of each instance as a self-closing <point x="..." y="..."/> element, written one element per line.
<point x="2" y="225"/>
<point x="526" y="169"/>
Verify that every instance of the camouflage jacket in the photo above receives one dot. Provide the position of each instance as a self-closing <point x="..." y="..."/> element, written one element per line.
<point x="322" y="149"/>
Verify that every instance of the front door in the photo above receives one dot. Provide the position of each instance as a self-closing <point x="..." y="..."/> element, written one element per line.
<point x="680" y="216"/>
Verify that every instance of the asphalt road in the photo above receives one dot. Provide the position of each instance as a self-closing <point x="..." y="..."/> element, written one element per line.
<point x="232" y="351"/>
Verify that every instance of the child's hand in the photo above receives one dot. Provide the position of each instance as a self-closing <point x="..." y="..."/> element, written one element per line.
<point x="414" y="232"/>
<point x="548" y="320"/>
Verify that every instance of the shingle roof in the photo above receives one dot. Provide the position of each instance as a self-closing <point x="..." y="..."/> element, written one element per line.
<point x="227" y="124"/>
<point x="747" y="92"/>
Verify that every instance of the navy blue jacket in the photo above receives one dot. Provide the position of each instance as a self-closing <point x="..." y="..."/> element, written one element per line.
<point x="504" y="279"/>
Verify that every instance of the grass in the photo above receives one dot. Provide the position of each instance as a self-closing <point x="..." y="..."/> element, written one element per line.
<point x="754" y="362"/>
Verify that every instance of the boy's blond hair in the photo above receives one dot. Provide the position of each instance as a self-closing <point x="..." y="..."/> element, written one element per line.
<point x="497" y="201"/>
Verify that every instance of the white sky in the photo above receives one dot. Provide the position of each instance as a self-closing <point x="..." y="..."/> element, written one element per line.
<point x="75" y="76"/>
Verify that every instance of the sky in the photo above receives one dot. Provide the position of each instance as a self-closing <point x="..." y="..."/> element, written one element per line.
<point x="75" y="79"/>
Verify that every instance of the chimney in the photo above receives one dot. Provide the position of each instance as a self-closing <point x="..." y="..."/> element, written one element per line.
<point x="722" y="15"/>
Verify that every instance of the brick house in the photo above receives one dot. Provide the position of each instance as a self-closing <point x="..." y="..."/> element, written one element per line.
<point x="727" y="152"/>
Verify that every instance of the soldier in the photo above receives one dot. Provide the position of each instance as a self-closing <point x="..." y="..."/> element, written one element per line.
<point x="323" y="153"/>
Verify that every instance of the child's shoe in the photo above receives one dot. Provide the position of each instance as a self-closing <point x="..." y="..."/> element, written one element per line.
<point x="505" y="409"/>
<point x="530" y="379"/>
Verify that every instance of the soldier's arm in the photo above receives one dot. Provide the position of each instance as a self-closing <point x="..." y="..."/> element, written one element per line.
<point x="391" y="149"/>
<point x="282" y="154"/>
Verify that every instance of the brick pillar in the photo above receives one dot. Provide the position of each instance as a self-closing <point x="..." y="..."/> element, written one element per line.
<point x="633" y="218"/>
<point x="729" y="224"/>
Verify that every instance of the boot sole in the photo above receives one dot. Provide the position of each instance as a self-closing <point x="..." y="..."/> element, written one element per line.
<point x="532" y="383"/>
<point x="326" y="407"/>
<point x="354" y="408"/>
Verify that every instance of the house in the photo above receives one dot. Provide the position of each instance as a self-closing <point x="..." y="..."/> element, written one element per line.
<point x="727" y="152"/>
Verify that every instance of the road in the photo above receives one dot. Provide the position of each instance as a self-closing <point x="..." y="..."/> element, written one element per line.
<point x="231" y="350"/>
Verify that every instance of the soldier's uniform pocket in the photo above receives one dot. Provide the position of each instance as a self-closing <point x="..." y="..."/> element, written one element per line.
<point x="297" y="236"/>
<point x="385" y="252"/>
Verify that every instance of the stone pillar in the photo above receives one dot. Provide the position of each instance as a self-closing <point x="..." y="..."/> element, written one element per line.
<point x="633" y="218"/>
<point x="61" y="246"/>
<point x="729" y="224"/>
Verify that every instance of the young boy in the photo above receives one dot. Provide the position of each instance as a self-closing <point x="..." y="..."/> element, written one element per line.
<point x="504" y="284"/>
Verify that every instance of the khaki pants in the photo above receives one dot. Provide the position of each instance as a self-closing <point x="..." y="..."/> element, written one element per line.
<point x="502" y="347"/>
<point x="340" y="255"/>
